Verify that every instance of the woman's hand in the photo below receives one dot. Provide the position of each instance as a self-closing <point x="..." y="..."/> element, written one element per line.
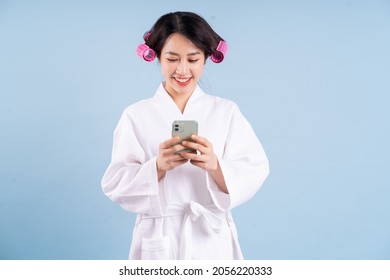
<point x="167" y="158"/>
<point x="205" y="159"/>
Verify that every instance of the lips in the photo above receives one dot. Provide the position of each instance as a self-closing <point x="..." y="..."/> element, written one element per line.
<point x="182" y="81"/>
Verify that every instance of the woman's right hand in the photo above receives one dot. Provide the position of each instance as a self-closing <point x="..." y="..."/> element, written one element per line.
<point x="167" y="158"/>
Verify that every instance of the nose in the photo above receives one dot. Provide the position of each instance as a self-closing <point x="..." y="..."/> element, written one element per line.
<point x="182" y="68"/>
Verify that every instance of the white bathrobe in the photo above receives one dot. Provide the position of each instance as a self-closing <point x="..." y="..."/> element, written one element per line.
<point x="184" y="215"/>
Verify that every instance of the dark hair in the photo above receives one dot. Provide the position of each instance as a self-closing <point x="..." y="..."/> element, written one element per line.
<point x="190" y="25"/>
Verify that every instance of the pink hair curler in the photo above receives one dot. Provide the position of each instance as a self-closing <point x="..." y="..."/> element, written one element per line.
<point x="219" y="55"/>
<point x="146" y="36"/>
<point x="146" y="53"/>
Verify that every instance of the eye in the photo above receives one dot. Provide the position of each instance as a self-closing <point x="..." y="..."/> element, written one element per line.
<point x="172" y="59"/>
<point x="193" y="60"/>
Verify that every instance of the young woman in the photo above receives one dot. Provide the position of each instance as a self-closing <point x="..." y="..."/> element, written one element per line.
<point x="183" y="199"/>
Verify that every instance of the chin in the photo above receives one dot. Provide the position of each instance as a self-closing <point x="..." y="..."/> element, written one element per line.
<point x="185" y="89"/>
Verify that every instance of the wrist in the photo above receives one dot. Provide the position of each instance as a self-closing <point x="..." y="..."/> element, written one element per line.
<point x="160" y="172"/>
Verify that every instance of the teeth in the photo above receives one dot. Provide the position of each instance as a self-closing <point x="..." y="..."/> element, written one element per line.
<point x="182" y="80"/>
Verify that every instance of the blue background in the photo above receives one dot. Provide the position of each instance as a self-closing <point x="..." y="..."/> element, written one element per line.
<point x="313" y="78"/>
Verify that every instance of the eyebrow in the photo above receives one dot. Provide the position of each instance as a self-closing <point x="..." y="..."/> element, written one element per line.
<point x="190" y="54"/>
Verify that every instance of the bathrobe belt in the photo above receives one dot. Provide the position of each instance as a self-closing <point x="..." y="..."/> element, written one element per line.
<point x="213" y="219"/>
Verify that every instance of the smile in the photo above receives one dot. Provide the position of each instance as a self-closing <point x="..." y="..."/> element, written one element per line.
<point x="182" y="81"/>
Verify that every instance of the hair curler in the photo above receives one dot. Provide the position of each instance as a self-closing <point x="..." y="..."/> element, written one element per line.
<point x="221" y="50"/>
<point x="147" y="35"/>
<point x="146" y="53"/>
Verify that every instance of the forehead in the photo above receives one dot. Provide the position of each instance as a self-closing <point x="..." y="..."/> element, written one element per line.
<point x="177" y="43"/>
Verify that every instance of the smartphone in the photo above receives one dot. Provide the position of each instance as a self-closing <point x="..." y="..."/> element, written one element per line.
<point x="184" y="129"/>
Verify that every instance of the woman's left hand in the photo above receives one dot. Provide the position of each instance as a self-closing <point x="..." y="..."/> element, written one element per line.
<point x="205" y="159"/>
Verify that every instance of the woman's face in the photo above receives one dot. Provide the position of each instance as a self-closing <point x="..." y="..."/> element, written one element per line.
<point x="182" y="65"/>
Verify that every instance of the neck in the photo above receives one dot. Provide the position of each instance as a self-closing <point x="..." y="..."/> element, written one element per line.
<point x="180" y="99"/>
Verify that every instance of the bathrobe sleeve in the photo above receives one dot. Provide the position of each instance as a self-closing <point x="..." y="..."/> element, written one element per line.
<point x="244" y="164"/>
<point x="131" y="180"/>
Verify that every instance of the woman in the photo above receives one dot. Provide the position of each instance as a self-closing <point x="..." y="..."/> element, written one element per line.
<point x="183" y="200"/>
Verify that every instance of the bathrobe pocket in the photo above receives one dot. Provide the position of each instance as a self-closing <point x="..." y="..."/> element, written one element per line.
<point x="156" y="248"/>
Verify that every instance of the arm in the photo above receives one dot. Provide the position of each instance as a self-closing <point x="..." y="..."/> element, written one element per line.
<point x="219" y="179"/>
<point x="205" y="159"/>
<point x="236" y="175"/>
<point x="131" y="179"/>
<point x="244" y="163"/>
